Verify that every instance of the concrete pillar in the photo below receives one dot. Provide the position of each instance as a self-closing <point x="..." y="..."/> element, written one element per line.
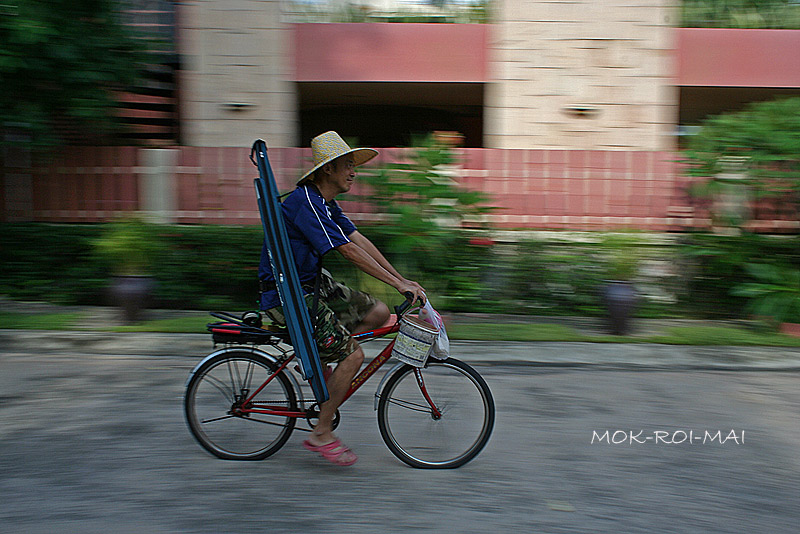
<point x="582" y="74"/>
<point x="235" y="79"/>
<point x="158" y="186"/>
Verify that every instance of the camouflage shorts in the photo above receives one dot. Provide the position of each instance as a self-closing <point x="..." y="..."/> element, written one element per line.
<point x="339" y="310"/>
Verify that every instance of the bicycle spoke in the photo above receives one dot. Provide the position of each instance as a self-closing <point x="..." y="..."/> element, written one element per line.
<point x="230" y="365"/>
<point x="251" y="371"/>
<point x="411" y="405"/>
<point x="249" y="376"/>
<point x="240" y="383"/>
<point x="222" y="387"/>
<point x="416" y="431"/>
<point x="204" y="421"/>
<point x="222" y="383"/>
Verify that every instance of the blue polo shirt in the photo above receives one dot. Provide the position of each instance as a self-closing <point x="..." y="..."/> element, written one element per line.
<point x="315" y="227"/>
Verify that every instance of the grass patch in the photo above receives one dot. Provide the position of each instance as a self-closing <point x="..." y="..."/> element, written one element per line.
<point x="723" y="335"/>
<point x="675" y="335"/>
<point x="40" y="321"/>
<point x="174" y="325"/>
<point x="513" y="332"/>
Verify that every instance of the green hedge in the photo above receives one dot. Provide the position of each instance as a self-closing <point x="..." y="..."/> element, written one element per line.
<point x="215" y="267"/>
<point x="197" y="267"/>
<point x="50" y="263"/>
<point x="206" y="267"/>
<point x="714" y="265"/>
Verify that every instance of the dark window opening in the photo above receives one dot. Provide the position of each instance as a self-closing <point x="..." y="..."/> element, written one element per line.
<point x="698" y="103"/>
<point x="391" y="114"/>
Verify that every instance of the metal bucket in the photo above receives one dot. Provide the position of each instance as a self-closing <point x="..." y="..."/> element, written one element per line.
<point x="414" y="341"/>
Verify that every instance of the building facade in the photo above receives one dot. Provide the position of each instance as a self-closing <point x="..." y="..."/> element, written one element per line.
<point x="596" y="74"/>
<point x="569" y="110"/>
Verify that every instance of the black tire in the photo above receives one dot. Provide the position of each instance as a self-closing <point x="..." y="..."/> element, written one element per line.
<point x="409" y="428"/>
<point x="211" y="393"/>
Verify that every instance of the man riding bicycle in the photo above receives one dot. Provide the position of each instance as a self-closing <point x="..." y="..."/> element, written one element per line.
<point x="316" y="225"/>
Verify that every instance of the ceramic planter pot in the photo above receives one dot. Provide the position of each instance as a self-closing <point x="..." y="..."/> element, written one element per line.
<point x="132" y="294"/>
<point x="619" y="298"/>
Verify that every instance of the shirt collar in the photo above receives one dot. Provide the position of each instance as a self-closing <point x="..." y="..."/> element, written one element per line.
<point x="313" y="188"/>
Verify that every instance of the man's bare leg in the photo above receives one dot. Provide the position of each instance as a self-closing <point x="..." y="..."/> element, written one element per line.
<point x="375" y="318"/>
<point x="338" y="385"/>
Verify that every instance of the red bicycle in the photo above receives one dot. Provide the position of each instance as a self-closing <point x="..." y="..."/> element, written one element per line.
<point x="243" y="401"/>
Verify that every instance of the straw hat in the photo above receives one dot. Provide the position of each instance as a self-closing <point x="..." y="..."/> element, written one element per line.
<point x="329" y="146"/>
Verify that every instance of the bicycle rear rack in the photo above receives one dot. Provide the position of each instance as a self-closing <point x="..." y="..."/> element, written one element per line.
<point x="232" y="330"/>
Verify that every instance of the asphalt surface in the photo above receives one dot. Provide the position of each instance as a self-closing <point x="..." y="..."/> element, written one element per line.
<point x="92" y="439"/>
<point x="95" y="442"/>
<point x="611" y="355"/>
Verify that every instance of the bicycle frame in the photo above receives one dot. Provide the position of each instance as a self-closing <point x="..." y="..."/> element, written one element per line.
<point x="248" y="405"/>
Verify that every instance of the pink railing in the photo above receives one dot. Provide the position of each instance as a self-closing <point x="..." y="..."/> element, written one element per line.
<point x="549" y="189"/>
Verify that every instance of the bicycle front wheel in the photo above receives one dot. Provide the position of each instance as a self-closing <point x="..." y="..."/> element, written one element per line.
<point x="219" y="387"/>
<point x="441" y="418"/>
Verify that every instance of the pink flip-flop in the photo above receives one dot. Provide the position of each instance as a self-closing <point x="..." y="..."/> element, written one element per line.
<point x="335" y="452"/>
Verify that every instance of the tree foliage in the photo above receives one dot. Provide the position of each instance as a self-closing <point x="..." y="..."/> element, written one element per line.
<point x="740" y="14"/>
<point x="760" y="145"/>
<point x="766" y="133"/>
<point x="421" y="199"/>
<point x="59" y="61"/>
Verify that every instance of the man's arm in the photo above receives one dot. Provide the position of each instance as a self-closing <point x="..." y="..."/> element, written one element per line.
<point x="367" y="263"/>
<point x="362" y="241"/>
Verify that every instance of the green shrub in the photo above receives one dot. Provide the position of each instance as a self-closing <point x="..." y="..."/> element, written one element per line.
<point x="196" y="267"/>
<point x="760" y="147"/>
<point x="129" y="246"/>
<point x="740" y="14"/>
<point x="53" y="263"/>
<point x="208" y="267"/>
<point x="775" y="293"/>
<point x="543" y="277"/>
<point x="451" y="271"/>
<point x="716" y="265"/>
<point x="424" y="211"/>
<point x="423" y="206"/>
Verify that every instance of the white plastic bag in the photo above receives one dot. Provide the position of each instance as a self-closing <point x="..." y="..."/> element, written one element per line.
<point x="441" y="348"/>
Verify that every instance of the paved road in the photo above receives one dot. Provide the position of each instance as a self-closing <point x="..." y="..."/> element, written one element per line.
<point x="97" y="443"/>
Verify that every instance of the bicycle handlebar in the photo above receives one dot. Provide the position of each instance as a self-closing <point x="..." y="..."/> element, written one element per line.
<point x="401" y="309"/>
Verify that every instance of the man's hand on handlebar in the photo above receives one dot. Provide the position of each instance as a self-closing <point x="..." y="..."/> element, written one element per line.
<point x="413" y="283"/>
<point x="413" y="289"/>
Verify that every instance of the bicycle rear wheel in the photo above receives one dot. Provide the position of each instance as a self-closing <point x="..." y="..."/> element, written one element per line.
<point x="218" y="387"/>
<point x="419" y="436"/>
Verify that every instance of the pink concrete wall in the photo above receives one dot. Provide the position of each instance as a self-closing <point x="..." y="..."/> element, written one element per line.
<point x="738" y="57"/>
<point x="390" y="52"/>
<point x="401" y="53"/>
